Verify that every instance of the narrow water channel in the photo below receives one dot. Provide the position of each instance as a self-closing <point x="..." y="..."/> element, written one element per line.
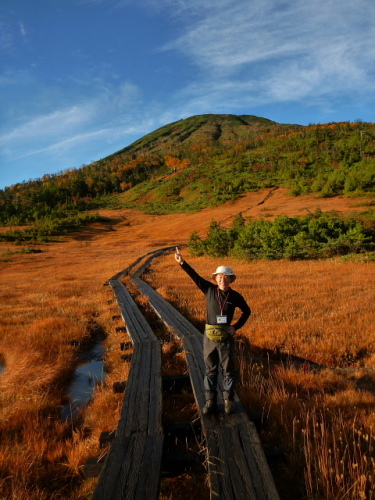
<point x="89" y="373"/>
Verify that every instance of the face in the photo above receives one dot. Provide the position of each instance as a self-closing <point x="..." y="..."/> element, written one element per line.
<point x="223" y="281"/>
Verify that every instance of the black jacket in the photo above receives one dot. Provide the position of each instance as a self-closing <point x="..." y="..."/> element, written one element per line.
<point x="231" y="301"/>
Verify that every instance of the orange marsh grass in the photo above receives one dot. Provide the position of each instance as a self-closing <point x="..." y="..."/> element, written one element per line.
<point x="312" y="312"/>
<point x="51" y="306"/>
<point x="322" y="311"/>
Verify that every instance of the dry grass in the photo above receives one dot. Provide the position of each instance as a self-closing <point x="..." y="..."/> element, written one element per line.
<point x="305" y="359"/>
<point x="54" y="303"/>
<point x="321" y="311"/>
<point x="52" y="306"/>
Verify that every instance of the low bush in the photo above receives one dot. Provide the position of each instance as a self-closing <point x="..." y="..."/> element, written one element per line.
<point x="47" y="227"/>
<point x="316" y="235"/>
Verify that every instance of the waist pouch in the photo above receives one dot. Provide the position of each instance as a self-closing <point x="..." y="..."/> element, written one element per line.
<point x="217" y="333"/>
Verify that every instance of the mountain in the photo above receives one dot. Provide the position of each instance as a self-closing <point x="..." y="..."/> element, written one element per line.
<point x="206" y="160"/>
<point x="219" y="128"/>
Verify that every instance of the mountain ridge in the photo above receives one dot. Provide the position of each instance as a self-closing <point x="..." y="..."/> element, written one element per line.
<point x="193" y="124"/>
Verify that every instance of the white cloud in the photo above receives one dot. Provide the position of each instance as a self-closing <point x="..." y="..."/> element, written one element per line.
<point x="10" y="34"/>
<point x="105" y="115"/>
<point x="291" y="50"/>
<point x="229" y="38"/>
<point x="6" y="38"/>
<point x="22" y="29"/>
<point x="55" y="123"/>
<point x="61" y="146"/>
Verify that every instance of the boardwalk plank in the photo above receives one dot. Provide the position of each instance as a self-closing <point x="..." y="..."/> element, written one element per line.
<point x="232" y="483"/>
<point x="247" y="483"/>
<point x="166" y="312"/>
<point x="132" y="467"/>
<point x="260" y="471"/>
<point x="155" y="407"/>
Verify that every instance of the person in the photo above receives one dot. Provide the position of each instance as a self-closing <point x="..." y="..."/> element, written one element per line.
<point x="218" y="342"/>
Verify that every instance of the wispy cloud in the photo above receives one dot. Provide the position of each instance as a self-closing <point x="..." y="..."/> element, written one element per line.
<point x="291" y="50"/>
<point x="22" y="29"/>
<point x="280" y="50"/>
<point x="53" y="124"/>
<point x="60" y="146"/>
<point x="6" y="38"/>
<point x="10" y="34"/>
<point x="112" y="114"/>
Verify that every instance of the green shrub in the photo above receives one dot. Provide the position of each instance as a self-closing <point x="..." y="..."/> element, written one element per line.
<point x="44" y="229"/>
<point x="317" y="235"/>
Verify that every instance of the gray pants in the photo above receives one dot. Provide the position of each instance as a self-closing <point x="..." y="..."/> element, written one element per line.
<point x="215" y="354"/>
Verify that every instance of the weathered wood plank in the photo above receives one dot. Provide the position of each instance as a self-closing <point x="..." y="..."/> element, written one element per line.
<point x="155" y="406"/>
<point x="167" y="312"/>
<point x="260" y="471"/>
<point x="140" y="471"/>
<point x="132" y="467"/>
<point x="246" y="483"/>
<point x="137" y="326"/>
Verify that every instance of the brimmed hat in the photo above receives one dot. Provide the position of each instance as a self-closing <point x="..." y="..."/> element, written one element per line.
<point x="228" y="271"/>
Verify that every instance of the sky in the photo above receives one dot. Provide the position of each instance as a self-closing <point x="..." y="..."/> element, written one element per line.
<point x="82" y="79"/>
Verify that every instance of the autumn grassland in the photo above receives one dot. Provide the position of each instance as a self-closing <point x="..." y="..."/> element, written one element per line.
<point x="306" y="358"/>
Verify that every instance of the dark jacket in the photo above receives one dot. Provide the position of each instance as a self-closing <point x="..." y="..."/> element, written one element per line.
<point x="230" y="299"/>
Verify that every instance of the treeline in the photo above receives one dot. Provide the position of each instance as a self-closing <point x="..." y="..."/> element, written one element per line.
<point x="46" y="228"/>
<point x="204" y="161"/>
<point x="73" y="190"/>
<point x="317" y="235"/>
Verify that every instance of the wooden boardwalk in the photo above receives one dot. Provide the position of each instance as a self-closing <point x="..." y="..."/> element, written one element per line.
<point x="236" y="463"/>
<point x="132" y="467"/>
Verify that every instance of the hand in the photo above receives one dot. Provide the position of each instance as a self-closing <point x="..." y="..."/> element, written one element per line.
<point x="179" y="258"/>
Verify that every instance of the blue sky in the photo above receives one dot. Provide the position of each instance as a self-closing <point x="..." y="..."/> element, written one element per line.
<point x="81" y="79"/>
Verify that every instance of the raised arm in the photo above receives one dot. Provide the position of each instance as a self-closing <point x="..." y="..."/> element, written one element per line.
<point x="201" y="283"/>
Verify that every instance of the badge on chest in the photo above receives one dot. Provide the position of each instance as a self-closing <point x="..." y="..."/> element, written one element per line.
<point x="221" y="320"/>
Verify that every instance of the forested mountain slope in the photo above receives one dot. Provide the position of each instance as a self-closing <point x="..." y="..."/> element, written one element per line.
<point x="204" y="161"/>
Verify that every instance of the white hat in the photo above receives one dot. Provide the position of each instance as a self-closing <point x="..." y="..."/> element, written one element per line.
<point x="228" y="271"/>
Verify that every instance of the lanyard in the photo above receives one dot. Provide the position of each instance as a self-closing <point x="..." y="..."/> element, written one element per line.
<point x="222" y="304"/>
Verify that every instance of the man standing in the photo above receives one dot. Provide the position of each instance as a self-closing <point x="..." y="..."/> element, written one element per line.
<point x="218" y="343"/>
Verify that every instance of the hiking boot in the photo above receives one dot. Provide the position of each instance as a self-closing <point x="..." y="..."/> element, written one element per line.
<point x="209" y="408"/>
<point x="228" y="406"/>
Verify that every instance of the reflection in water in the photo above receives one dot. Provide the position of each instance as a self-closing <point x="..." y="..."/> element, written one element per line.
<point x="87" y="376"/>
